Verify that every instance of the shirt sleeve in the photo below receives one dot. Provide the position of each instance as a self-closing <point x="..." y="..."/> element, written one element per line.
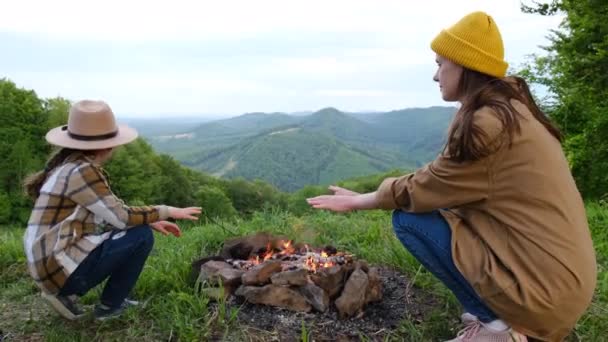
<point x="90" y="190"/>
<point x="444" y="183"/>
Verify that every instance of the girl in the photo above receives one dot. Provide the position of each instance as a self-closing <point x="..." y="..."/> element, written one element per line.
<point x="496" y="216"/>
<point x="79" y="232"/>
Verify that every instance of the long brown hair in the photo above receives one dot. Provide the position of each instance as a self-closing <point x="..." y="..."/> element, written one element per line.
<point x="478" y="90"/>
<point x="33" y="183"/>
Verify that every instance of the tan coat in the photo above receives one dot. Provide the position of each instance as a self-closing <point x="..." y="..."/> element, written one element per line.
<point x="519" y="228"/>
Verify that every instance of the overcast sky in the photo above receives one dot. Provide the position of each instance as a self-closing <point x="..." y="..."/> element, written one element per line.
<point x="151" y="58"/>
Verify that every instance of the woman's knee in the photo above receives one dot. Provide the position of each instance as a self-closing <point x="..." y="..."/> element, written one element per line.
<point x="405" y="223"/>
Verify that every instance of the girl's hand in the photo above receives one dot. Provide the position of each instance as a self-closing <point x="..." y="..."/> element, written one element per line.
<point x="341" y="191"/>
<point x="166" y="227"/>
<point x="190" y="213"/>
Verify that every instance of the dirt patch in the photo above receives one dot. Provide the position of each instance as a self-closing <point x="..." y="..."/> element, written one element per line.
<point x="400" y="301"/>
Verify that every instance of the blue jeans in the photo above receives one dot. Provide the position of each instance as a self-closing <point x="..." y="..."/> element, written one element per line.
<point x="428" y="238"/>
<point x="120" y="258"/>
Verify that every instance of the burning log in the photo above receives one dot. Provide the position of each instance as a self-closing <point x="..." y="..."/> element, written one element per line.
<point x="274" y="271"/>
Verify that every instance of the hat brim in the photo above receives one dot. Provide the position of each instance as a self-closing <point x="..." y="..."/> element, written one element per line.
<point x="58" y="136"/>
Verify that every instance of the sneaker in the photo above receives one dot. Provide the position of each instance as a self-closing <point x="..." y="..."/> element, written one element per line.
<point x="468" y="318"/>
<point x="103" y="312"/>
<point x="478" y="332"/>
<point x="65" y="306"/>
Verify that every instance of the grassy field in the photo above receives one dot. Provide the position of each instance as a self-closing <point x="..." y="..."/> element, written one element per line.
<point x="173" y="310"/>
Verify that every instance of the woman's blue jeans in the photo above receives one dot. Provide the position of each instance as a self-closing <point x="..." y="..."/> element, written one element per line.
<point x="120" y="259"/>
<point x="428" y="238"/>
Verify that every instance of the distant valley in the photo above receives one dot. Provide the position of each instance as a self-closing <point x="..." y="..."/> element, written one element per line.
<point x="292" y="151"/>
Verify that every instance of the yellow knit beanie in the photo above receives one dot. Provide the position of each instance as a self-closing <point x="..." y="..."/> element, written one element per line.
<point x="473" y="42"/>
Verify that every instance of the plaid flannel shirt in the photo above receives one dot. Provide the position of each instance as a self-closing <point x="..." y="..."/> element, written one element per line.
<point x="75" y="212"/>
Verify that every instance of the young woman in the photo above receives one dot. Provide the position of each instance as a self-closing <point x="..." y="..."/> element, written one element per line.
<point x="79" y="232"/>
<point x="496" y="216"/>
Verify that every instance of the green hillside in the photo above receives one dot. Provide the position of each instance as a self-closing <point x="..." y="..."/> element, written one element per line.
<point x="323" y="147"/>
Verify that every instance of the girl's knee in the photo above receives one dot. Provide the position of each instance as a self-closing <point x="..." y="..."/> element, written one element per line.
<point x="144" y="234"/>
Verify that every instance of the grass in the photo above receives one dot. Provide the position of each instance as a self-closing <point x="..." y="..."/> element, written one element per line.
<point x="173" y="310"/>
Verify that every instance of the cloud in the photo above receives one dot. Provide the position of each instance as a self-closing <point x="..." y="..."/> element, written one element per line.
<point x="238" y="56"/>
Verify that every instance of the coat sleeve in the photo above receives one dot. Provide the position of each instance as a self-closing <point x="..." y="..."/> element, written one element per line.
<point x="90" y="190"/>
<point x="444" y="183"/>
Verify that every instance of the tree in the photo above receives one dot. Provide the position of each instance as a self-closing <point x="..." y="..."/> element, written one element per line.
<point x="575" y="70"/>
<point x="57" y="109"/>
<point x="174" y="184"/>
<point x="23" y="124"/>
<point x="215" y="203"/>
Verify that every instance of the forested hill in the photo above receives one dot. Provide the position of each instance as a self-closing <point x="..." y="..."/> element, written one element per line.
<point x="291" y="151"/>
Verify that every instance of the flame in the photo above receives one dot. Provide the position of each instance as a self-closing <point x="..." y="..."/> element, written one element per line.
<point x="288" y="248"/>
<point x="268" y="253"/>
<point x="313" y="261"/>
<point x="311" y="265"/>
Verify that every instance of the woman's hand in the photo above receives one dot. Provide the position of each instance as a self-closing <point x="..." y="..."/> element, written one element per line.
<point x="342" y="203"/>
<point x="190" y="213"/>
<point x="339" y="203"/>
<point x="341" y="191"/>
<point x="166" y="227"/>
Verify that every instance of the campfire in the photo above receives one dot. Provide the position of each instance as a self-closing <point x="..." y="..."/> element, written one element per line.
<point x="276" y="271"/>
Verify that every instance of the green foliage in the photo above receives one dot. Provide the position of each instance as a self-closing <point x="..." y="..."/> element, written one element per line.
<point x="23" y="124"/>
<point x="297" y="201"/>
<point x="215" y="202"/>
<point x="248" y="197"/>
<point x="5" y="208"/>
<point x="575" y="70"/>
<point x="57" y="109"/>
<point x="175" y="188"/>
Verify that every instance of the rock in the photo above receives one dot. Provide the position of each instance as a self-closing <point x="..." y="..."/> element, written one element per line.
<point x="260" y="274"/>
<point x="275" y="295"/>
<point x="374" y="287"/>
<point x="329" y="279"/>
<point x="213" y="266"/>
<point x="316" y="296"/>
<point x="196" y="266"/>
<point x="220" y="272"/>
<point x="352" y="298"/>
<point x="362" y="264"/>
<point x="297" y="277"/>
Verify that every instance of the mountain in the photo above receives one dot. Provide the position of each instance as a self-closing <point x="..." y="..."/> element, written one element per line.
<point x="320" y="148"/>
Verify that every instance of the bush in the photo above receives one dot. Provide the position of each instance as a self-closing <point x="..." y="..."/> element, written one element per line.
<point x="5" y="208"/>
<point x="215" y="203"/>
<point x="297" y="201"/>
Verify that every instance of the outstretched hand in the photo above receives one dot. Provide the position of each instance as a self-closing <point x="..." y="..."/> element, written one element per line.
<point x="342" y="191"/>
<point x="344" y="200"/>
<point x="190" y="213"/>
<point x="166" y="228"/>
<point x="339" y="203"/>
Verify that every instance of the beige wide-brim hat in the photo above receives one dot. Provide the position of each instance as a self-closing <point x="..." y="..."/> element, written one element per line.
<point x="91" y="126"/>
